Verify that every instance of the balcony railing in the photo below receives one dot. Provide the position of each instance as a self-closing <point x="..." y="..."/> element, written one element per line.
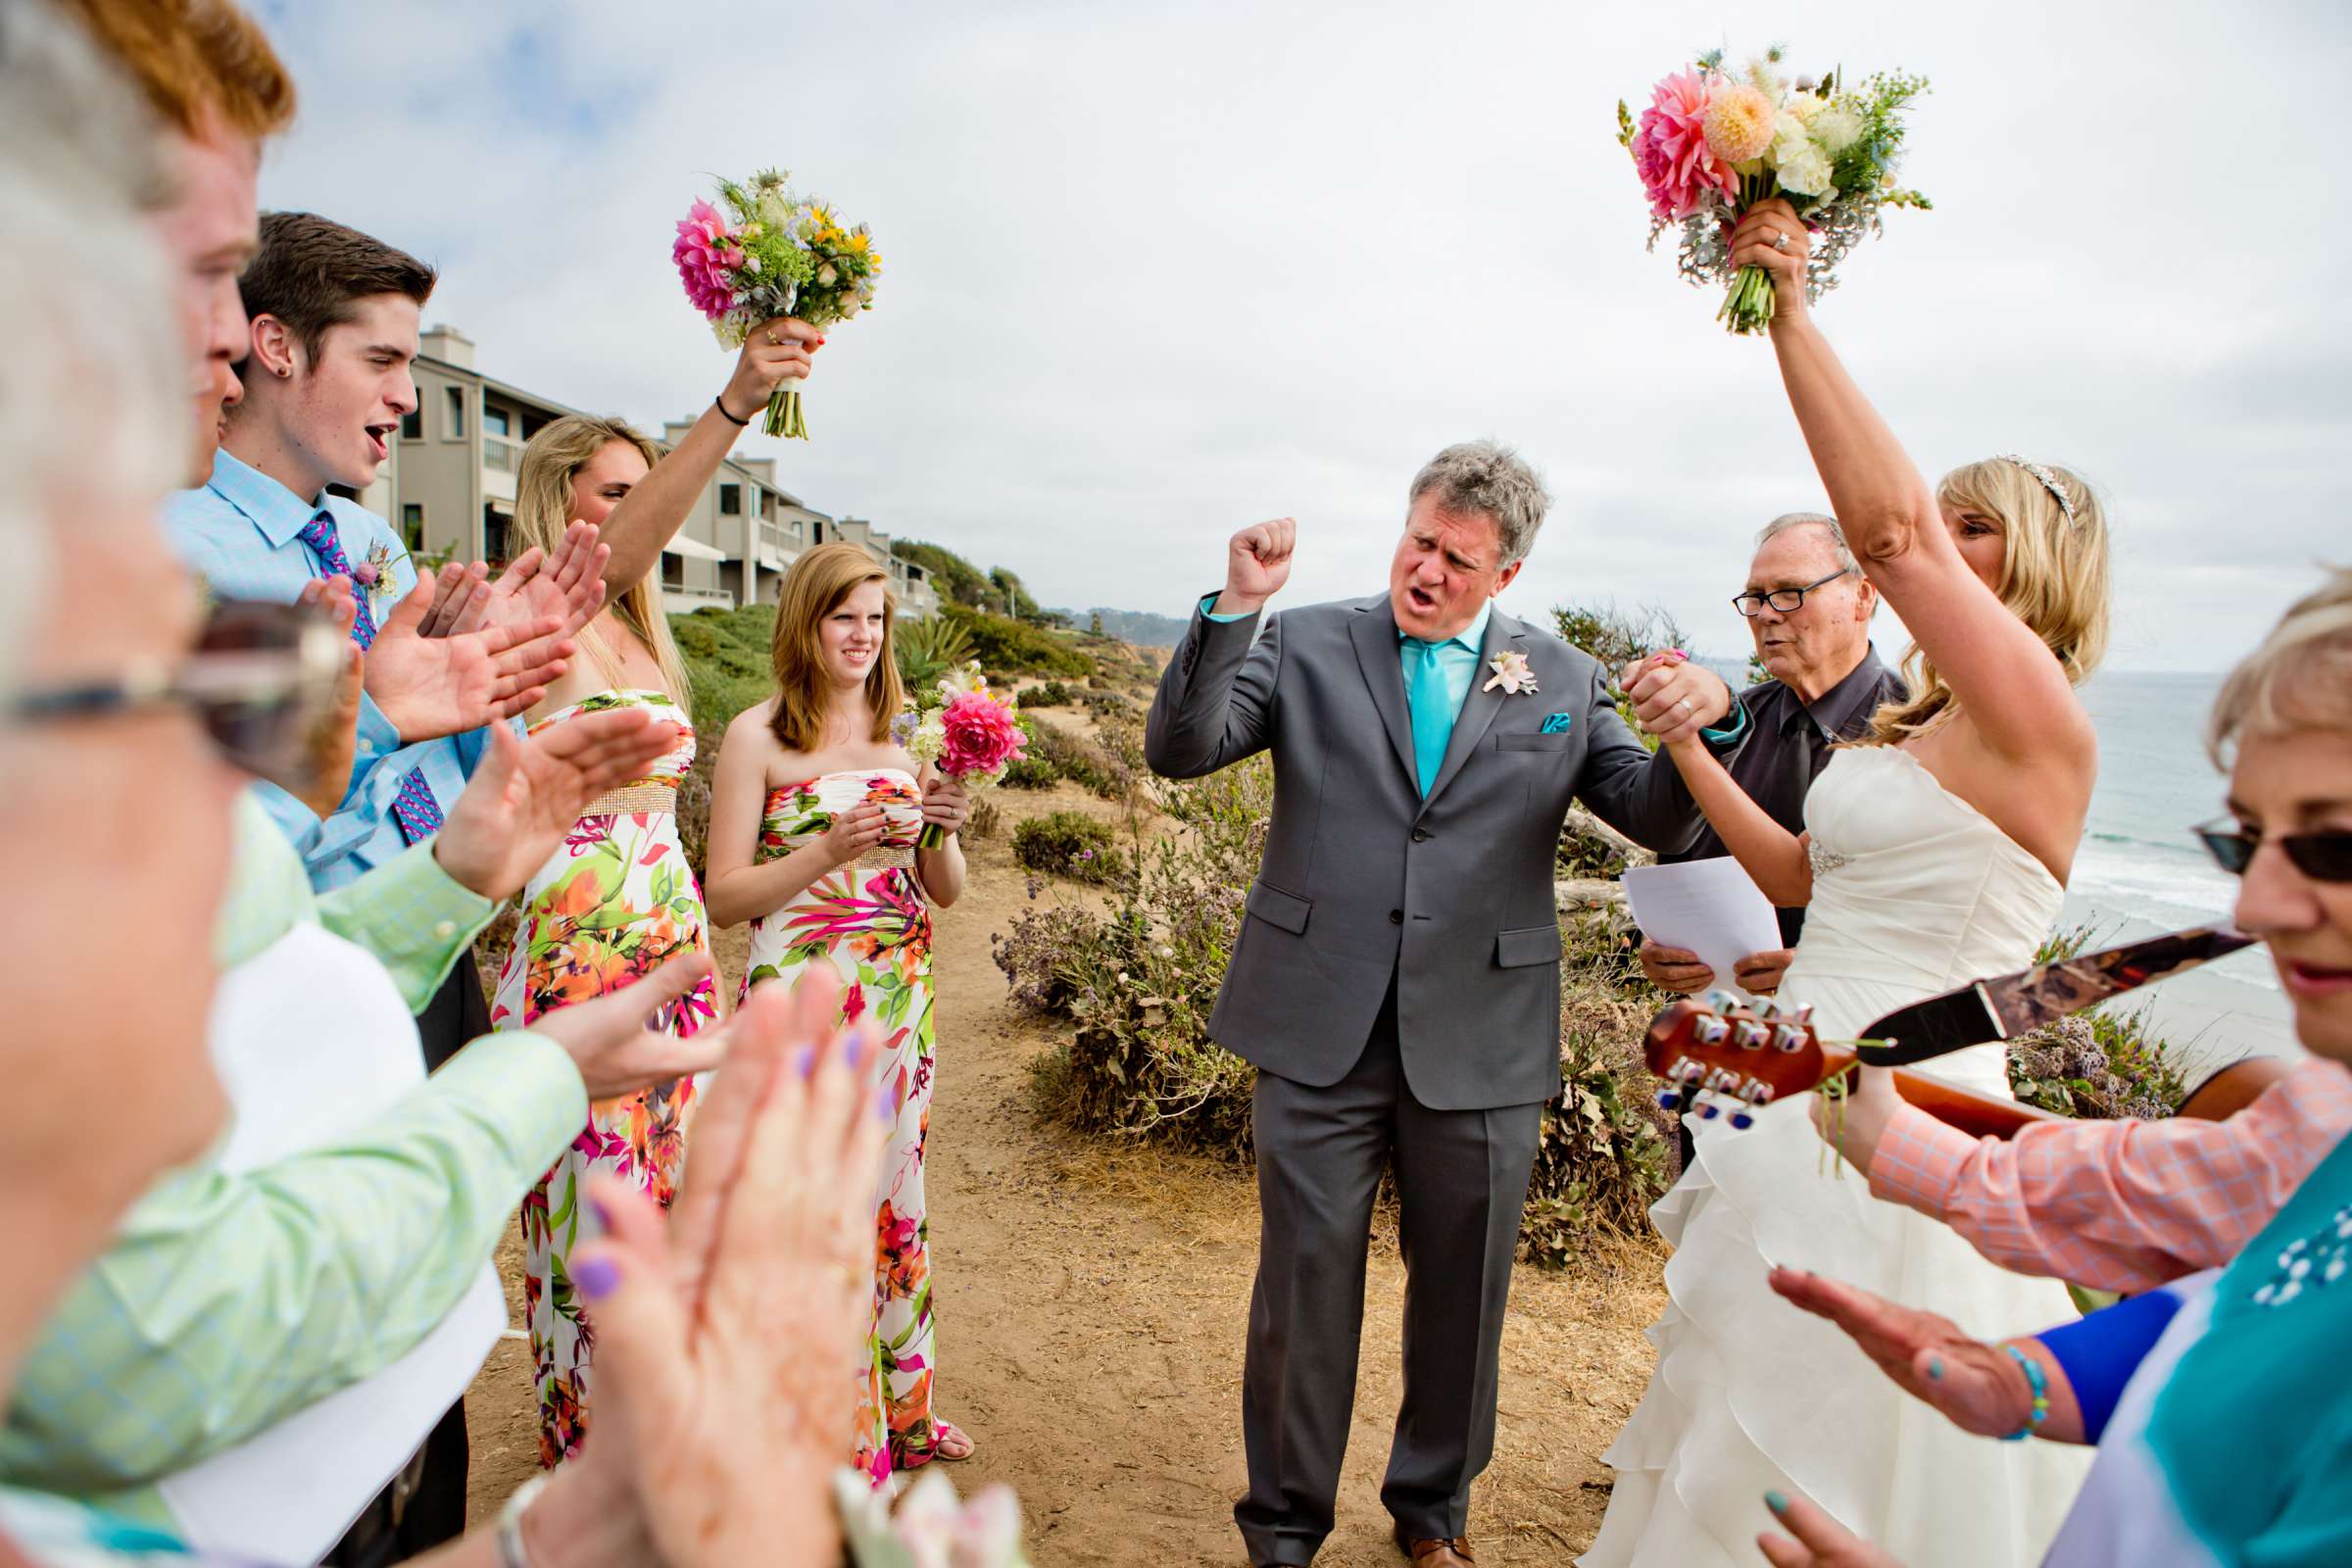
<point x="681" y="600"/>
<point x="501" y="456"/>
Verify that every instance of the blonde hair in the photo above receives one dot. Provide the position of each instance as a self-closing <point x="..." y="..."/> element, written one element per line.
<point x="2053" y="578"/>
<point x="812" y="590"/>
<point x="551" y="461"/>
<point x="2300" y="676"/>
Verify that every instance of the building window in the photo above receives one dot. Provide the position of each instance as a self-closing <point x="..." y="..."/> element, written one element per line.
<point x="412" y="524"/>
<point x="411" y="425"/>
<point x="494" y="535"/>
<point x="674" y="571"/>
<point x="730" y="499"/>
<point x="456" y="413"/>
<point x="495" y="420"/>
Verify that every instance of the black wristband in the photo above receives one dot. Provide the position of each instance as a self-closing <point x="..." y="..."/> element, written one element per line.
<point x="724" y="415"/>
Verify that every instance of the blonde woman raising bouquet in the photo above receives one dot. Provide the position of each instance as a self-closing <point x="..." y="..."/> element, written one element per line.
<point x="1935" y="851"/>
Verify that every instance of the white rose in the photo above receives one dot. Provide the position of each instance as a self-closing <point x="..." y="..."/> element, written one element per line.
<point x="1834" y="128"/>
<point x="1799" y="162"/>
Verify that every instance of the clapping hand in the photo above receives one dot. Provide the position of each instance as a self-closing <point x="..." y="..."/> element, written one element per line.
<point x="1257" y="563"/>
<point x="774" y="351"/>
<point x="721" y="1336"/>
<point x="461" y="595"/>
<point x="566" y="584"/>
<point x="1674" y="698"/>
<point x="528" y="794"/>
<point x="1979" y="1388"/>
<point x="1771" y="236"/>
<point x="1821" y="1542"/>
<point x="433" y="686"/>
<point x="325" y="763"/>
<point x="619" y="1041"/>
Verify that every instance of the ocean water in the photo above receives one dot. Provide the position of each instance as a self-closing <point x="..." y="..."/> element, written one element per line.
<point x="2139" y="871"/>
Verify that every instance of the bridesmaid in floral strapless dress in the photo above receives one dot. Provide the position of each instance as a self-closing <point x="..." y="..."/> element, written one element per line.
<point x="814" y="813"/>
<point x="616" y="903"/>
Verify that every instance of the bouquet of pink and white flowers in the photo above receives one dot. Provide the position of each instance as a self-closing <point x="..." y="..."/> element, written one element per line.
<point x="1714" y="143"/>
<point x="974" y="735"/>
<point x="773" y="254"/>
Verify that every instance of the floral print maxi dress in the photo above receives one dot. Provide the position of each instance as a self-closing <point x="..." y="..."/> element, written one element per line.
<point x="615" y="902"/>
<point x="870" y="921"/>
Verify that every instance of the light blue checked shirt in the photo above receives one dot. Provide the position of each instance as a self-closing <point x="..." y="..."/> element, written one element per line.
<point x="239" y="534"/>
<point x="229" y="1301"/>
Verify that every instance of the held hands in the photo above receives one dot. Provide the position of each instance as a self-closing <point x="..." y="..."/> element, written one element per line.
<point x="619" y="1042"/>
<point x="1979" y="1388"/>
<point x="776" y="351"/>
<point x="1753" y="245"/>
<point x="946" y="806"/>
<point x="1257" y="563"/>
<point x="1673" y="698"/>
<point x="528" y="794"/>
<point x="852" y="833"/>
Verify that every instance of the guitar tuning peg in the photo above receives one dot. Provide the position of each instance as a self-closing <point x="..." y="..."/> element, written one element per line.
<point x="1766" y="1010"/>
<point x="1707" y="1110"/>
<point x="1710" y="1031"/>
<point x="1740" y="1118"/>
<point x="1802" y="1016"/>
<point x="1755" y="1092"/>
<point x="1669" y="1100"/>
<point x="1751" y="1036"/>
<point x="1721" y="1000"/>
<point x="1786" y="1037"/>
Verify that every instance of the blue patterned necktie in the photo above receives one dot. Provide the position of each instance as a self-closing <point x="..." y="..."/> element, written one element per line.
<point x="1431" y="707"/>
<point x="414" y="807"/>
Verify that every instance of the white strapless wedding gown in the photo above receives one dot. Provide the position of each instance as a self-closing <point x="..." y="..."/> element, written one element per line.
<point x="1914" y="892"/>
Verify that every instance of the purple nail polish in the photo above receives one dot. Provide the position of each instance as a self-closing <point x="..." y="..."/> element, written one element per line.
<point x="886" y="1106"/>
<point x="595" y="1277"/>
<point x="599" y="1215"/>
<point x="854" y="1051"/>
<point x="805" y="1062"/>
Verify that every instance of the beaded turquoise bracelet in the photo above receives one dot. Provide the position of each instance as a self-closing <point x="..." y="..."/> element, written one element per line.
<point x="2040" y="1387"/>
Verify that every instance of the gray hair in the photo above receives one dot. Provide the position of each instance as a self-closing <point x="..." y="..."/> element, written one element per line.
<point x="1492" y="481"/>
<point x="91" y="386"/>
<point x="1787" y="520"/>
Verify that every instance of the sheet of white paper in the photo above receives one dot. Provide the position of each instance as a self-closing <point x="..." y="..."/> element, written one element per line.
<point x="1710" y="907"/>
<point x="287" y="1493"/>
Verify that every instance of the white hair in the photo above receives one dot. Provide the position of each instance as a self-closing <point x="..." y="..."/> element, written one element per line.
<point x="1787" y="521"/>
<point x="94" y="377"/>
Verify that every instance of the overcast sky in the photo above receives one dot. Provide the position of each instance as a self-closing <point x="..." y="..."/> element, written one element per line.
<point x="1154" y="272"/>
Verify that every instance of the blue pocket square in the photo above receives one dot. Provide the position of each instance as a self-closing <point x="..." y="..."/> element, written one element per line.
<point x="1557" y="723"/>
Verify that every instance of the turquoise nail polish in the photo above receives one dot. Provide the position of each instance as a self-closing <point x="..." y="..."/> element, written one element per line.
<point x="1935" y="1369"/>
<point x="1776" y="1502"/>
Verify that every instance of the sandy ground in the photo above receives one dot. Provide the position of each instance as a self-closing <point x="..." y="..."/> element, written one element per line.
<point x="1092" y="1298"/>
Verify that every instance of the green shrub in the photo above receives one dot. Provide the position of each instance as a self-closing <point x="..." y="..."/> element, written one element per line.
<point x="927" y="650"/>
<point x="1617" y="637"/>
<point x="1006" y="645"/>
<point x="2096" y="1063"/>
<point x="1067" y="844"/>
<point x="1070" y="757"/>
<point x="1051" y="694"/>
<point x="728" y="667"/>
<point x="1030" y="774"/>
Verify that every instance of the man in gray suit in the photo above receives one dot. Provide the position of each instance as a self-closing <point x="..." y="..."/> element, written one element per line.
<point x="1397" y="978"/>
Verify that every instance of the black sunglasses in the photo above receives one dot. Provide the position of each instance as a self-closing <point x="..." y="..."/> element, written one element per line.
<point x="1788" y="601"/>
<point x="2320" y="856"/>
<point x="260" y="680"/>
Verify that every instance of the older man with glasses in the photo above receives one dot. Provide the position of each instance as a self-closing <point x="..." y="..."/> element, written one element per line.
<point x="1808" y="608"/>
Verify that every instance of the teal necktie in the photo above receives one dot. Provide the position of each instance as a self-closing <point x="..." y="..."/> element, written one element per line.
<point x="1432" y="705"/>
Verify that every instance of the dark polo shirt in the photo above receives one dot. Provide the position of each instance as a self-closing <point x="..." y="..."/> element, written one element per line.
<point x="1787" y="745"/>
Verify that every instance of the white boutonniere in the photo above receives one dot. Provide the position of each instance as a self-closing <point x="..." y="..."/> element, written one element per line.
<point x="373" y="575"/>
<point x="1511" y="673"/>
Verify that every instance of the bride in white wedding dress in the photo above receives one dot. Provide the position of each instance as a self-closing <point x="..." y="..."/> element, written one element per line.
<point x="1934" y="852"/>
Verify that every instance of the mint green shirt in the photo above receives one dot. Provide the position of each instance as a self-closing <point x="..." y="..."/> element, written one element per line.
<point x="228" y="1302"/>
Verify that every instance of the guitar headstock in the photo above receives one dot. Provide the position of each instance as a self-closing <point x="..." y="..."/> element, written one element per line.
<point x="1754" y="1055"/>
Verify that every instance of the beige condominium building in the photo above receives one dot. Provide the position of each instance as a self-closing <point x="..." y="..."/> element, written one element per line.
<point x="449" y="490"/>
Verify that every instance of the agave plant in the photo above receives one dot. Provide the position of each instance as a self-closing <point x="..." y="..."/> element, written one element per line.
<point x="928" y="649"/>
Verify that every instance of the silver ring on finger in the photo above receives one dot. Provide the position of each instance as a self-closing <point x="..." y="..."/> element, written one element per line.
<point x="1780" y="243"/>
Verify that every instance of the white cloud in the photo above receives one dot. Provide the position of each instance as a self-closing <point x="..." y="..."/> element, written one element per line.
<point x="1155" y="271"/>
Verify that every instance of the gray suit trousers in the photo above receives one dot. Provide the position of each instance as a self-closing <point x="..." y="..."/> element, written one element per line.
<point x="1461" y="1176"/>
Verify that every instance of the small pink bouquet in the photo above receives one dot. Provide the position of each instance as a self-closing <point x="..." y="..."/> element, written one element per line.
<point x="770" y="253"/>
<point x="972" y="736"/>
<point x="1715" y="142"/>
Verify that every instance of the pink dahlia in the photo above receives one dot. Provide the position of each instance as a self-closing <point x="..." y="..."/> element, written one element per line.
<point x="981" y="736"/>
<point x="1669" y="148"/>
<point x="706" y="254"/>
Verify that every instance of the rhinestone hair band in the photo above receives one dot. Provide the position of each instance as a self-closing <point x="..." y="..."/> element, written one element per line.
<point x="2049" y="482"/>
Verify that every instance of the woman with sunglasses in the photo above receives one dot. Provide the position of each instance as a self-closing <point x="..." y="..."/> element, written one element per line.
<point x="1937" y="849"/>
<point x="2223" y="1427"/>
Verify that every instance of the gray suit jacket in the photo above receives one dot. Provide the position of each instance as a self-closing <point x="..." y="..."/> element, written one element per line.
<point x="1364" y="879"/>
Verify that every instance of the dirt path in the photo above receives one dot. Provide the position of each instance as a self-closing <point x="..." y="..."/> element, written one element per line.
<point x="1091" y="1299"/>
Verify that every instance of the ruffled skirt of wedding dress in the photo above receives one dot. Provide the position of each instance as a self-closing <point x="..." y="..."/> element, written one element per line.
<point x="1750" y="1394"/>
